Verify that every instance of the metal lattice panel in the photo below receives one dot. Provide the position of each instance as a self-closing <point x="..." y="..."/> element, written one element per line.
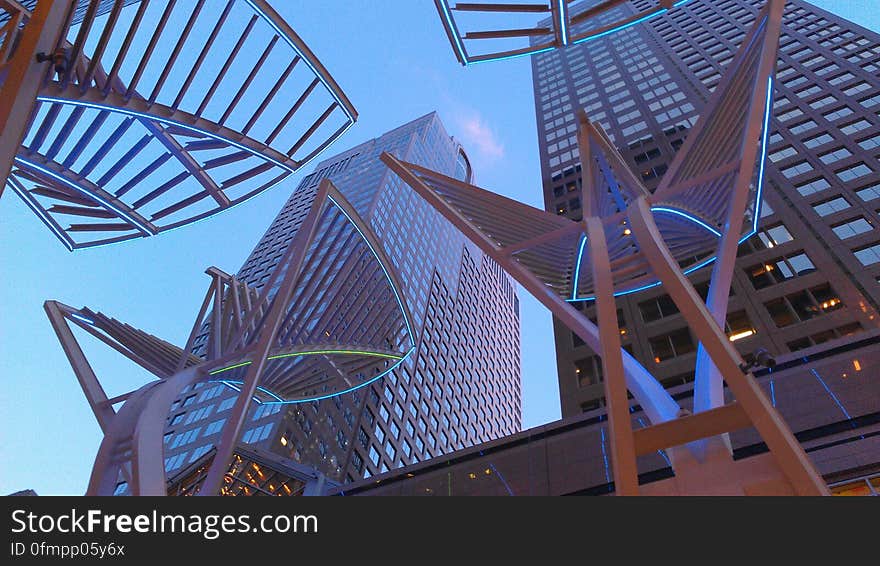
<point x="691" y="208"/>
<point x="170" y="112"/>
<point x="331" y="319"/>
<point x="343" y="326"/>
<point x="492" y="31"/>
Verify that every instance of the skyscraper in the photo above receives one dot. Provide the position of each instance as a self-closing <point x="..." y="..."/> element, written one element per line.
<point x="461" y="384"/>
<point x="808" y="279"/>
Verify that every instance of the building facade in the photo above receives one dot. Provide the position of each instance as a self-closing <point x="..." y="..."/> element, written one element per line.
<point x="840" y="433"/>
<point x="460" y="386"/>
<point x="808" y="279"/>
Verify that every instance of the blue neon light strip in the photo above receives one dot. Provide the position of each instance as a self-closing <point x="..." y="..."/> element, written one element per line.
<point x="563" y="28"/>
<point x="689" y="217"/>
<point x="155" y="118"/>
<point x="688" y="271"/>
<point x="287" y="39"/>
<point x="38" y="210"/>
<point x="661" y="452"/>
<point x="772" y="393"/>
<point x="764" y="136"/>
<point x="453" y="31"/>
<point x="82" y="318"/>
<point x="831" y="393"/>
<point x="757" y="207"/>
<point x="350" y="389"/>
<point x="612" y="182"/>
<point x="308" y="353"/>
<point x="621" y="27"/>
<point x="384" y="270"/>
<point x="234" y="385"/>
<point x="503" y="481"/>
<point x="605" y="456"/>
<point x="30" y="165"/>
<point x="577" y="269"/>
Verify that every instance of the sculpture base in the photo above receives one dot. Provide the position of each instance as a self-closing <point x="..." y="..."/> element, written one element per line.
<point x="719" y="474"/>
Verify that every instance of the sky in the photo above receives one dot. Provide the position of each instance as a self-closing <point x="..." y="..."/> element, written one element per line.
<point x="393" y="60"/>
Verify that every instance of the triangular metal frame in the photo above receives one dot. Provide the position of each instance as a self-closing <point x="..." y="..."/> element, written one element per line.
<point x="619" y="219"/>
<point x="242" y="325"/>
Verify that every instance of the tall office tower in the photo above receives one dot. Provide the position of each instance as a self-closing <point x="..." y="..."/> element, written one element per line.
<point x="459" y="387"/>
<point x="808" y="279"/>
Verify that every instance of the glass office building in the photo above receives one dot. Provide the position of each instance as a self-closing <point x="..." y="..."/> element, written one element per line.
<point x="808" y="279"/>
<point x="461" y="385"/>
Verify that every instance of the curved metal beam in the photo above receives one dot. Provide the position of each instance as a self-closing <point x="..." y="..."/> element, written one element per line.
<point x="139" y="108"/>
<point x="148" y="449"/>
<point x="378" y="250"/>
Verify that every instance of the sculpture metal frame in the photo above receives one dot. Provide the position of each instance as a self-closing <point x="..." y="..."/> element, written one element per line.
<point x="244" y="332"/>
<point x="629" y="243"/>
<point x="129" y="134"/>
<point x="556" y="34"/>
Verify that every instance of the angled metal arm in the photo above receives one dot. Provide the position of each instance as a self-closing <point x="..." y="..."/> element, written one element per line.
<point x="626" y="472"/>
<point x="654" y="399"/>
<point x="708" y="386"/>
<point x="293" y="260"/>
<point x="789" y="454"/>
<point x="88" y="381"/>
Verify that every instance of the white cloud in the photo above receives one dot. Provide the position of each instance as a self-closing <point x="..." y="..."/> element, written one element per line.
<point x="476" y="135"/>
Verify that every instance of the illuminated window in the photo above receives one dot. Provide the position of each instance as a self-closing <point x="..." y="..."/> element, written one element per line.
<point x="803" y="305"/>
<point x="739" y="326"/>
<point x="771" y="237"/>
<point x="672" y="345"/>
<point x="588" y="371"/>
<point x="779" y="269"/>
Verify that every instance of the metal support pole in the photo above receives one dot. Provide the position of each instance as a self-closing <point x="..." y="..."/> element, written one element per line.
<point x="19" y="90"/>
<point x="788" y="452"/>
<point x="626" y="472"/>
<point x="293" y="260"/>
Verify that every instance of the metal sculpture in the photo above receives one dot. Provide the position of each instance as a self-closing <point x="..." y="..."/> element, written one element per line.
<point x="155" y="115"/>
<point x="559" y="26"/>
<point x="631" y="239"/>
<point x="330" y="319"/>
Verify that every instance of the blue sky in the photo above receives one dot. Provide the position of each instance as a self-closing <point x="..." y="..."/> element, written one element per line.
<point x="395" y="63"/>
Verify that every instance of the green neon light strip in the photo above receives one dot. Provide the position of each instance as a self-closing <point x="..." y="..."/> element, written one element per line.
<point x="230" y="367"/>
<point x="356" y="352"/>
<point x="297" y="354"/>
